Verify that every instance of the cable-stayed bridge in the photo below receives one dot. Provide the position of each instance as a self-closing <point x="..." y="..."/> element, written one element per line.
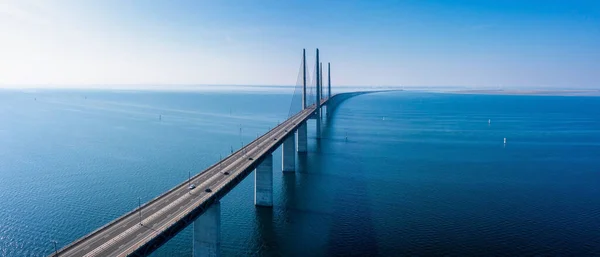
<point x="143" y="230"/>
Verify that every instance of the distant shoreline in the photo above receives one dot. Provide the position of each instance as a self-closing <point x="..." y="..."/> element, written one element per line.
<point x="529" y="92"/>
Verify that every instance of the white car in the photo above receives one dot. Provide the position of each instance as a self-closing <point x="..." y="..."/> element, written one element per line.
<point x="192" y="186"/>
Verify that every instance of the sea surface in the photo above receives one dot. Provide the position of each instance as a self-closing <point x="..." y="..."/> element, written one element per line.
<point x="401" y="173"/>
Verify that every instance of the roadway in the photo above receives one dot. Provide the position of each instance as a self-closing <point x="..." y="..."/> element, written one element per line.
<point x="125" y="235"/>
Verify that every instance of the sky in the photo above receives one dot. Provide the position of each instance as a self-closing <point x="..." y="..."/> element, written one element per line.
<point x="470" y="43"/>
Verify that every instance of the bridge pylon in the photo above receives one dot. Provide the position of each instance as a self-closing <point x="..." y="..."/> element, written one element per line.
<point x="303" y="79"/>
<point x="302" y="129"/>
<point x="328" y="80"/>
<point x="318" y="102"/>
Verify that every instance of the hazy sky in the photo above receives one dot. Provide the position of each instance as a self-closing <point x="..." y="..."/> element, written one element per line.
<point x="509" y="43"/>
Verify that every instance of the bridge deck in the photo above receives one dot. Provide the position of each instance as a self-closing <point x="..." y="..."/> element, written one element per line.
<point x="172" y="211"/>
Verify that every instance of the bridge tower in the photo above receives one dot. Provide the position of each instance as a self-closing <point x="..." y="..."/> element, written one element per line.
<point x="328" y="81"/>
<point x="303" y="79"/>
<point x="324" y="109"/>
<point x="321" y="80"/>
<point x="318" y="103"/>
<point x="302" y="129"/>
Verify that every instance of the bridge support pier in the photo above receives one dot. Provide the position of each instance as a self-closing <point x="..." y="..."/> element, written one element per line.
<point x="288" y="154"/>
<point x="263" y="182"/>
<point x="318" y="122"/>
<point x="302" y="138"/>
<point x="207" y="232"/>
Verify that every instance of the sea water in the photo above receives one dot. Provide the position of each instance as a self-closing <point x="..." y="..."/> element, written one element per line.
<point x="400" y="173"/>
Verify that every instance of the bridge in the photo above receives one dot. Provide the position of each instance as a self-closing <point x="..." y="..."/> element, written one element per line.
<point x="143" y="230"/>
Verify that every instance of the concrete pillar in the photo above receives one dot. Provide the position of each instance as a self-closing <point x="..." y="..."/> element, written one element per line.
<point x="328" y="82"/>
<point x="207" y="232"/>
<point x="288" y="154"/>
<point x="303" y="79"/>
<point x="302" y="138"/>
<point x="263" y="182"/>
<point x="321" y="80"/>
<point x="318" y="113"/>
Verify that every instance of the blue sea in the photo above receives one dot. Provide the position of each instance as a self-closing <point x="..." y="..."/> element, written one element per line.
<point x="396" y="173"/>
